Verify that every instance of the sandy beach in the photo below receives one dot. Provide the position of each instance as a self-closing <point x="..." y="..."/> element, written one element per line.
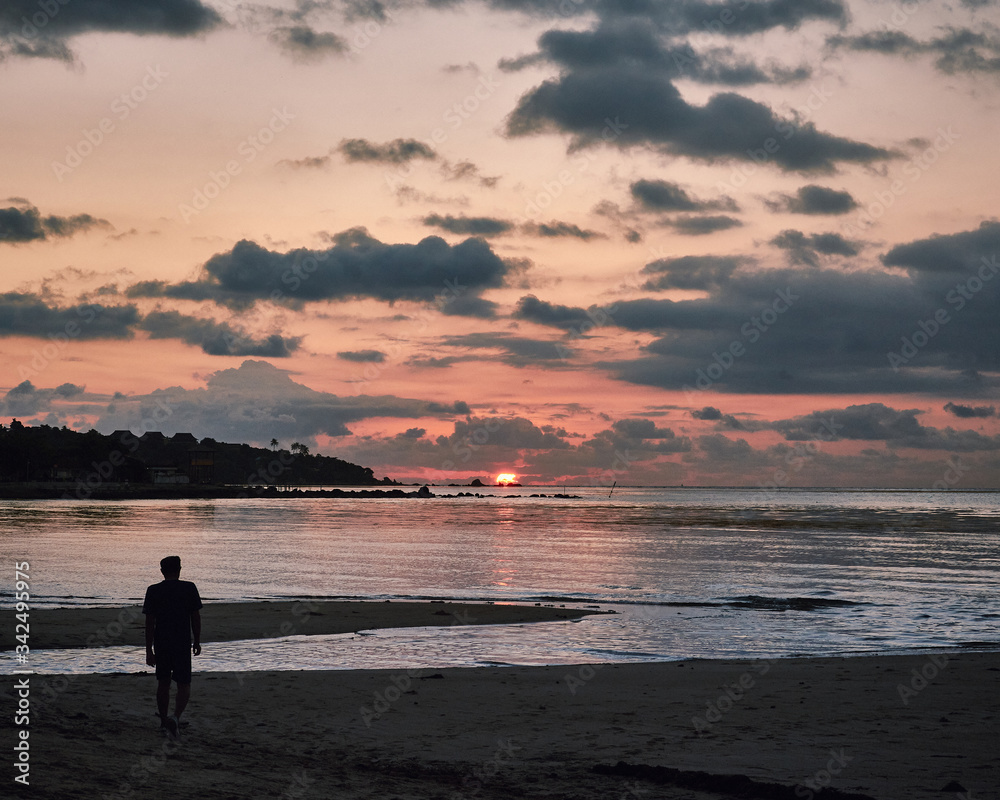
<point x="229" y="622"/>
<point x="884" y="727"/>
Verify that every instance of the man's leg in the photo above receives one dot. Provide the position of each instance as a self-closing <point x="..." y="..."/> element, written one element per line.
<point x="183" y="695"/>
<point x="163" y="697"/>
<point x="182" y="675"/>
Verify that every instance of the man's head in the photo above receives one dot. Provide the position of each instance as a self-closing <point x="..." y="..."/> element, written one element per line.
<point x="170" y="566"/>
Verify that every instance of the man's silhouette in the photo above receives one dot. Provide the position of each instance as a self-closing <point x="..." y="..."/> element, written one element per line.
<point x="172" y="614"/>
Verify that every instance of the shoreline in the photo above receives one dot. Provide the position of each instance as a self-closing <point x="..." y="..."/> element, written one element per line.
<point x="68" y="491"/>
<point x="74" y="627"/>
<point x="66" y="628"/>
<point x="883" y="727"/>
<point x="77" y="491"/>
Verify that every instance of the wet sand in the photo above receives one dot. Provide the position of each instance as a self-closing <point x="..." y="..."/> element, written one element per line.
<point x="886" y="727"/>
<point x="227" y="622"/>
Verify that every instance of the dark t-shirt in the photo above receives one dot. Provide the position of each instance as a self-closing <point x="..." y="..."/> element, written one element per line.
<point x="172" y="603"/>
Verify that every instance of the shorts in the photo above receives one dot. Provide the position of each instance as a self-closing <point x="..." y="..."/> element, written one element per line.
<point x="173" y="662"/>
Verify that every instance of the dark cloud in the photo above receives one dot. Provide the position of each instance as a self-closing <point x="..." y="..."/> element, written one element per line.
<point x="15" y="47"/>
<point x="878" y="422"/>
<point x="357" y="265"/>
<point x="498" y="434"/>
<point x="692" y="272"/>
<point x="970" y="412"/>
<point x="532" y="309"/>
<point x="495" y="226"/>
<point x="257" y="402"/>
<point x="721" y="448"/>
<point x="743" y="18"/>
<point x="363" y="356"/>
<point x="458" y="407"/>
<point x="519" y="63"/>
<point x="659" y="195"/>
<point x="31" y="315"/>
<point x="398" y="151"/>
<point x="23" y="223"/>
<point x="143" y="17"/>
<point x="216" y="338"/>
<point x="814" y="199"/>
<point x="871" y="422"/>
<point x="555" y="229"/>
<point x="25" y="400"/>
<point x="361" y="9"/>
<point x="469" y="226"/>
<point x="477" y="444"/>
<point x="429" y="362"/>
<point x="955" y="51"/>
<point x="692" y="225"/>
<point x="732" y="18"/>
<point x="303" y="43"/>
<point x="68" y="390"/>
<point x="466" y="170"/>
<point x="609" y="455"/>
<point x="629" y="441"/>
<point x="634" y="42"/>
<point x="627" y="106"/>
<point x="28" y="400"/>
<point x="819" y="331"/>
<point x="67" y="226"/>
<point x="468" y="304"/>
<point x="33" y="29"/>
<point x="453" y="69"/>
<point x="17" y="225"/>
<point x="515" y="433"/>
<point x="724" y="421"/>
<point x="515" y="351"/>
<point x="806" y="248"/>
<point x="308" y="162"/>
<point x="721" y="460"/>
<point x="641" y="429"/>
<point x="957" y="252"/>
<point x="25" y="314"/>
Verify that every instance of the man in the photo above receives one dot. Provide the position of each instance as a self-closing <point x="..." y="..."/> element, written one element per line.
<point x="172" y="614"/>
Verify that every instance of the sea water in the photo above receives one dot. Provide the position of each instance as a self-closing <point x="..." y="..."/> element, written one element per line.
<point x="690" y="573"/>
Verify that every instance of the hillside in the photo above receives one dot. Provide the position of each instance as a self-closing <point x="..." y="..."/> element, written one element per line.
<point x="45" y="454"/>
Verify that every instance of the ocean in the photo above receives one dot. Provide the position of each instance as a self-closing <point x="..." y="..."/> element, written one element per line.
<point x="690" y="573"/>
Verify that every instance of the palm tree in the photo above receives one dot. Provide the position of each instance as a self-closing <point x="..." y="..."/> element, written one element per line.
<point x="274" y="444"/>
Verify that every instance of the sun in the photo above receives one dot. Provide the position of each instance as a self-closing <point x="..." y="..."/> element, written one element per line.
<point x="506" y="478"/>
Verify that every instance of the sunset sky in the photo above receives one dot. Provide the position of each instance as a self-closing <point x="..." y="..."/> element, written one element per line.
<point x="748" y="242"/>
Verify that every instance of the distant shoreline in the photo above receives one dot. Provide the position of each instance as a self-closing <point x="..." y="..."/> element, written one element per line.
<point x="79" y="491"/>
<point x="76" y="491"/>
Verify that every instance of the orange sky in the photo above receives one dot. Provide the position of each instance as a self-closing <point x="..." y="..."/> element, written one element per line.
<point x="227" y="210"/>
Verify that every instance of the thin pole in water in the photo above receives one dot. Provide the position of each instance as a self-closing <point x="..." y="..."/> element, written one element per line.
<point x="613" y="485"/>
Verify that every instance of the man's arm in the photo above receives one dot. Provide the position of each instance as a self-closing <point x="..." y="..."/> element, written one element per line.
<point x="150" y="627"/>
<point x="196" y="630"/>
